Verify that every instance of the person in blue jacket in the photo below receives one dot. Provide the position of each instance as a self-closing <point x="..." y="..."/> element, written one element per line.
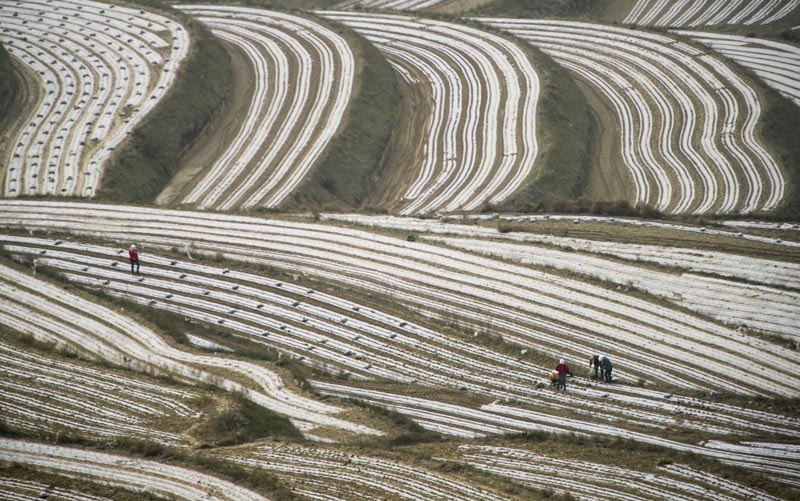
<point x="606" y="367"/>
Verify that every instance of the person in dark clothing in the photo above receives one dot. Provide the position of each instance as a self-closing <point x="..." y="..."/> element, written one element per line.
<point x="563" y="369"/>
<point x="133" y="254"/>
<point x="607" y="367"/>
<point x="594" y="364"/>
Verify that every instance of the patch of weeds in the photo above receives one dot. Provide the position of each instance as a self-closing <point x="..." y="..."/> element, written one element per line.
<point x="243" y="421"/>
<point x="405" y="431"/>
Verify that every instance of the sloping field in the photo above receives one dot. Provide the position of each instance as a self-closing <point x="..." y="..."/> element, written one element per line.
<point x="764" y="308"/>
<point x="12" y="489"/>
<point x="529" y="307"/>
<point x="146" y="477"/>
<point x="686" y="121"/>
<point x="453" y="383"/>
<point x="477" y="140"/>
<point x="303" y="76"/>
<point x="410" y="5"/>
<point x="580" y="477"/>
<point x="342" y="337"/>
<point x="322" y="473"/>
<point x="777" y="461"/>
<point x="41" y="310"/>
<point x="47" y="393"/>
<point x="102" y="68"/>
<point x="776" y="63"/>
<point x="740" y="290"/>
<point x="709" y="12"/>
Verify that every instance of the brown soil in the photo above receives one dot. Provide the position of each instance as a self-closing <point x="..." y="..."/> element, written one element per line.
<point x="608" y="179"/>
<point x="406" y="149"/>
<point x="615" y="10"/>
<point x="218" y="135"/>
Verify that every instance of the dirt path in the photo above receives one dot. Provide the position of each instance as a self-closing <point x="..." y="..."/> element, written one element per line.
<point x="608" y="179"/>
<point x="406" y="149"/>
<point x="219" y="134"/>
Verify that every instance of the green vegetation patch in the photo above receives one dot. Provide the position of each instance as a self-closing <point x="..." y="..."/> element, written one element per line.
<point x="150" y="158"/>
<point x="8" y="82"/>
<point x="243" y="421"/>
<point x="347" y="172"/>
<point x="779" y="125"/>
<point x="544" y="8"/>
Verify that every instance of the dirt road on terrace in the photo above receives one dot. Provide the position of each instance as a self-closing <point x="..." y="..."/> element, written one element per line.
<point x="406" y="148"/>
<point x="218" y="135"/>
<point x="608" y="179"/>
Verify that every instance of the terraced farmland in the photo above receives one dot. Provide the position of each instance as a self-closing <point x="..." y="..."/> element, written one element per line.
<point x="709" y="12"/>
<point x="407" y="5"/>
<point x="686" y="120"/>
<point x="275" y="346"/>
<point x="527" y="306"/>
<point x="303" y="74"/>
<point x="102" y="68"/>
<point x="48" y="393"/>
<point x="320" y="473"/>
<point x="477" y="142"/>
<point x="144" y="477"/>
<point x="40" y="310"/>
<point x="777" y="63"/>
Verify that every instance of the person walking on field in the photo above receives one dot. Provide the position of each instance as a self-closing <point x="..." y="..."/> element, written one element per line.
<point x="562" y="370"/>
<point x="133" y="254"/>
<point x="607" y="367"/>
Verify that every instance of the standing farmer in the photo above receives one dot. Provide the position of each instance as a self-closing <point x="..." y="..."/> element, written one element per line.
<point x="133" y="254"/>
<point x="607" y="367"/>
<point x="562" y="370"/>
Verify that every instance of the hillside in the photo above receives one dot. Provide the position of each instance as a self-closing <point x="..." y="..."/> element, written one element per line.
<point x="400" y="249"/>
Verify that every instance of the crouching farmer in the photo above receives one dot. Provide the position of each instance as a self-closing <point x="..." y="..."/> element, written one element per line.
<point x="607" y="367"/>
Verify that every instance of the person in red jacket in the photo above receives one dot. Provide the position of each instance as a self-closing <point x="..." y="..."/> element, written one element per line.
<point x="133" y="254"/>
<point x="563" y="369"/>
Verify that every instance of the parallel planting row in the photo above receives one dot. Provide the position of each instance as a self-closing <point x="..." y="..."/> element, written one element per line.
<point x="345" y="338"/>
<point x="51" y="315"/>
<point x="139" y="475"/>
<point x="709" y="12"/>
<point x="303" y="77"/>
<point x="322" y="473"/>
<point x="479" y="143"/>
<point x="776" y="63"/>
<point x="102" y="69"/>
<point x="687" y="121"/>
<point x="557" y="316"/>
<point x="49" y="394"/>
<point x="739" y="290"/>
<point x="774" y="460"/>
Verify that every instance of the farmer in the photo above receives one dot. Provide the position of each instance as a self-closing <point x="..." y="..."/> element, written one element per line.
<point x="133" y="254"/>
<point x="607" y="367"/>
<point x="562" y="370"/>
<point x="594" y="364"/>
<point x="553" y="377"/>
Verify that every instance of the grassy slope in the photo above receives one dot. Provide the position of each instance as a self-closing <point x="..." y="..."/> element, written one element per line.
<point x="543" y="8"/>
<point x="8" y="82"/>
<point x="565" y="134"/>
<point x="344" y="175"/>
<point x="779" y="125"/>
<point x="149" y="160"/>
<point x="9" y="88"/>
